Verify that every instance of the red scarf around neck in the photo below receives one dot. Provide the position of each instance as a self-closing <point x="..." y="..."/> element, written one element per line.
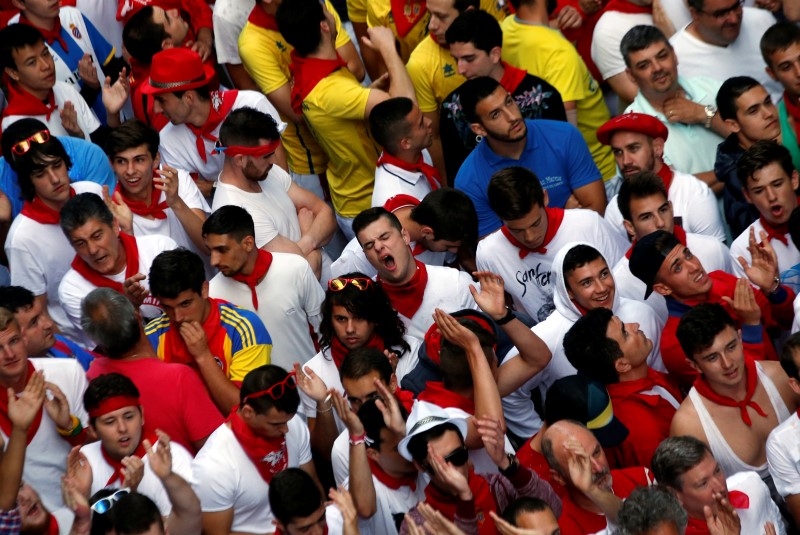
<point x="481" y="493"/>
<point x="623" y="6"/>
<point x="407" y="298"/>
<point x="430" y="172"/>
<point x="49" y="35"/>
<point x="339" y="351"/>
<point x="140" y="452"/>
<point x="175" y="349"/>
<point x="307" y="73"/>
<point x="406" y="14"/>
<point x="666" y="175"/>
<point x="128" y="243"/>
<point x="155" y="209"/>
<point x="20" y="102"/>
<point x="41" y="213"/>
<point x="263" y="262"/>
<point x="512" y="77"/>
<point x="698" y="526"/>
<point x="704" y="389"/>
<point x="677" y="231"/>
<point x="780" y="232"/>
<point x="5" y="422"/>
<point x="221" y="104"/>
<point x="268" y="454"/>
<point x="554" y="218"/>
<point x="52" y="528"/>
<point x="262" y="19"/>
<point x="392" y="482"/>
<point x="793" y="109"/>
<point x="436" y="393"/>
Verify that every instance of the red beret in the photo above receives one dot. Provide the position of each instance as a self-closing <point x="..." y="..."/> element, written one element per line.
<point x="632" y="122"/>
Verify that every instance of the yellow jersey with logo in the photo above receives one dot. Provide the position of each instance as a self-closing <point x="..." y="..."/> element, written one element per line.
<point x="379" y="13"/>
<point x="434" y="73"/>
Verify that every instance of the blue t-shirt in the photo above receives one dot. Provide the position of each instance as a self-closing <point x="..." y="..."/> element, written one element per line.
<point x="89" y="162"/>
<point x="555" y="151"/>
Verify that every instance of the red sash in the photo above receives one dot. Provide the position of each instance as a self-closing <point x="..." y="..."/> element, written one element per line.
<point x="307" y="73"/>
<point x="666" y="175"/>
<point x="262" y="19"/>
<point x="269" y="455"/>
<point x="484" y="502"/>
<point x="221" y="105"/>
<point x="627" y="7"/>
<point x="20" y="102"/>
<point x="554" y="218"/>
<point x="263" y="262"/>
<point x="780" y="232"/>
<point x="406" y="14"/>
<point x="407" y="298"/>
<point x="49" y="35"/>
<point x="392" y="482"/>
<point x="155" y="209"/>
<point x="704" y="389"/>
<point x="5" y="422"/>
<point x="436" y="393"/>
<point x="140" y="452"/>
<point x="339" y="351"/>
<point x="41" y="213"/>
<point x="52" y="529"/>
<point x="101" y="281"/>
<point x="512" y="77"/>
<point x="430" y="172"/>
<point x="175" y="349"/>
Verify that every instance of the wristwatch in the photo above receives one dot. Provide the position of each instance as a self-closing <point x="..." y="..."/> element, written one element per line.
<point x="513" y="465"/>
<point x="711" y="111"/>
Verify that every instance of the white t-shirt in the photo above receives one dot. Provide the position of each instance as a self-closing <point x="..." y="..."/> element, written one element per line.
<point x="46" y="455"/>
<point x="783" y="456"/>
<point x="62" y="93"/>
<point x="529" y="280"/>
<point x="39" y="256"/>
<point x="230" y="16"/>
<point x="150" y="485"/>
<point x="788" y="255"/>
<point x="389" y="502"/>
<point x="289" y="299"/>
<point x="694" y="207"/>
<point x="353" y="260"/>
<point x="226" y="478"/>
<point x="740" y="58"/>
<point x="74" y="287"/>
<point x="179" y="145"/>
<point x="390" y="180"/>
<point x="608" y="33"/>
<point x="761" y="508"/>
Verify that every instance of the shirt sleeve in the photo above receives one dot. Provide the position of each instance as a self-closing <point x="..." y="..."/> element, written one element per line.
<point x="605" y="47"/>
<point x="200" y="13"/>
<point x="102" y="48"/>
<point x="567" y="75"/>
<point x="226" y="41"/>
<point x="215" y="484"/>
<point x="342" y="97"/>
<point x="252" y="349"/>
<point x="582" y="169"/>
<point x="705" y="217"/>
<point x="26" y="271"/>
<point x="342" y="37"/>
<point x="357" y="11"/>
<point x="420" y="75"/>
<point x="260" y="61"/>
<point x="782" y="468"/>
<point x="189" y="192"/>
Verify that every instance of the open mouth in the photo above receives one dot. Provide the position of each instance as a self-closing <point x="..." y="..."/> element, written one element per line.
<point x="388" y="262"/>
<point x="776" y="210"/>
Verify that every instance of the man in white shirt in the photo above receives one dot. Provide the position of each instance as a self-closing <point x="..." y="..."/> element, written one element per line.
<point x="288" y="218"/>
<point x="264" y="436"/>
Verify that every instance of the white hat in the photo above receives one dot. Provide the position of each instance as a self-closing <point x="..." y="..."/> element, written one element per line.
<point x="425" y="416"/>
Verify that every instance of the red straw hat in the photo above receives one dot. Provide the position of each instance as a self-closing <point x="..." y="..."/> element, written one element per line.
<point x="176" y="69"/>
<point x="632" y="122"/>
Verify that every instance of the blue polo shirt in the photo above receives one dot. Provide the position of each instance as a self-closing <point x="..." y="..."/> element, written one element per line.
<point x="555" y="151"/>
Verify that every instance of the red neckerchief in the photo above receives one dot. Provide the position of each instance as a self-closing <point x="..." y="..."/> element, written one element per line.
<point x="307" y="73"/>
<point x="512" y="77"/>
<point x="221" y="105"/>
<point x="666" y="175"/>
<point x="49" y="35"/>
<point x="52" y="529"/>
<point x="5" y="422"/>
<point x="405" y="397"/>
<point x="793" y="109"/>
<point x="698" y="526"/>
<point x="20" y="102"/>
<point x="654" y="378"/>
<point x="430" y="172"/>
<point x="407" y="298"/>
<point x="436" y="393"/>
<point x="154" y="209"/>
<point x="677" y="231"/>
<point x="446" y="46"/>
<point x="392" y="482"/>
<point x="101" y="281"/>
<point x="627" y="7"/>
<point x="704" y="389"/>
<point x="339" y="351"/>
<point x="554" y="218"/>
<point x="175" y="349"/>
<point x="41" y="213"/>
<point x="268" y="454"/>
<point x="779" y="232"/>
<point x="262" y="19"/>
<point x="481" y="493"/>
<point x="140" y="452"/>
<point x="406" y="14"/>
<point x="263" y="262"/>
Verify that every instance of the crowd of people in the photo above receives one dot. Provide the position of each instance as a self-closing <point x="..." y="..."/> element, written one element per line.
<point x="404" y="267"/>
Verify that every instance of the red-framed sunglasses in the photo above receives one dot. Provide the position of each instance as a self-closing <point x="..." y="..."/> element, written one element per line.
<point x="276" y="391"/>
<point x="339" y="284"/>
<point x="21" y="147"/>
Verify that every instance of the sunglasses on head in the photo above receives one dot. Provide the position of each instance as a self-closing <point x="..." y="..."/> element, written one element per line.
<point x="339" y="284"/>
<point x="21" y="147"/>
<point x="103" y="505"/>
<point x="457" y="457"/>
<point x="276" y="391"/>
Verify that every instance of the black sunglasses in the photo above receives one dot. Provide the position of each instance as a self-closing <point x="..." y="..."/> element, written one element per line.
<point x="457" y="457"/>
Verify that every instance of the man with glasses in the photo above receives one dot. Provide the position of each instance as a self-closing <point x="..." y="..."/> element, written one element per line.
<point x="262" y="437"/>
<point x="279" y="287"/>
<point x="722" y="41"/>
<point x="222" y="341"/>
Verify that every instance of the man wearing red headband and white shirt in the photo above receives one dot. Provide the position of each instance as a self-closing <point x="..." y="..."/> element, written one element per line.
<point x="117" y="418"/>
<point x="105" y="257"/>
<point x="196" y="116"/>
<point x="522" y="251"/>
<point x="637" y="141"/>
<point x="263" y="436"/>
<point x="414" y="289"/>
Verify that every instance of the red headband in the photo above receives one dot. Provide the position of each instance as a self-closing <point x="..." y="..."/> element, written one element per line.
<point x="260" y="150"/>
<point x="112" y="404"/>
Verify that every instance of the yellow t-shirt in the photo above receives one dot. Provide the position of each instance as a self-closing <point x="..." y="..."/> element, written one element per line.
<point x="545" y="53"/>
<point x="334" y="110"/>
<point x="357" y="10"/>
<point x="379" y="13"/>
<point x="266" y="57"/>
<point x="434" y="73"/>
<point x="496" y="8"/>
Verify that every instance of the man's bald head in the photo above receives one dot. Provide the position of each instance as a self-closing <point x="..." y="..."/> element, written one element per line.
<point x="111" y="321"/>
<point x="555" y="442"/>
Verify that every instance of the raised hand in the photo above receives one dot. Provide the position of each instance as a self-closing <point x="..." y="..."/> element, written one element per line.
<point x="721" y="518"/>
<point x="493" y="438"/>
<point x="580" y="466"/>
<point x="390" y="409"/>
<point x="22" y="409"/>
<point x="454" y="332"/>
<point x="679" y="109"/>
<point x="87" y="72"/>
<point x="69" y="120"/>
<point x="195" y="338"/>
<point x="132" y="472"/>
<point x="79" y="471"/>
<point x="344" y="502"/>
<point x="57" y="407"/>
<point x="504" y="528"/>
<point x="116" y="95"/>
<point x="346" y="414"/>
<point x="744" y="303"/>
<point x="134" y="290"/>
<point x="122" y="213"/>
<point x="491" y="298"/>
<point x="310" y="383"/>
<point x="763" y="268"/>
<point x="449" y="475"/>
<point x="159" y="459"/>
<point x="167" y="181"/>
